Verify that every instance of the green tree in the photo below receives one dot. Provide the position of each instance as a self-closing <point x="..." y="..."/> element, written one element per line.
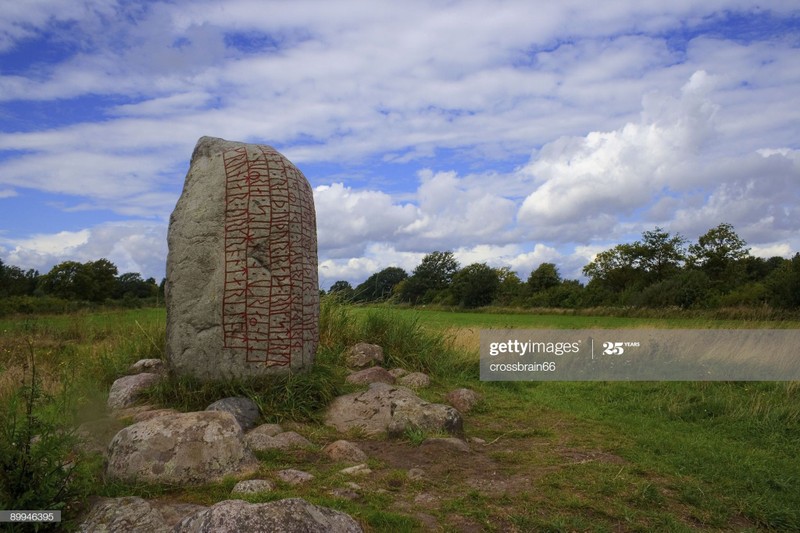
<point x="16" y="282"/>
<point x="103" y="279"/>
<point x="431" y="277"/>
<point x="68" y="280"/>
<point x="379" y="286"/>
<point x="342" y="289"/>
<point x="132" y="285"/>
<point x="659" y="254"/>
<point x="612" y="271"/>
<point x="545" y="276"/>
<point x="512" y="290"/>
<point x="475" y="285"/>
<point x="720" y="254"/>
<point x="629" y="268"/>
<point x="94" y="280"/>
<point x="783" y="284"/>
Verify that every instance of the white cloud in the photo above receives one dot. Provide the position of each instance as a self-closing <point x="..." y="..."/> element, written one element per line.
<point x="671" y="168"/>
<point x="778" y="249"/>
<point x="605" y="174"/>
<point x="132" y="246"/>
<point x="347" y="220"/>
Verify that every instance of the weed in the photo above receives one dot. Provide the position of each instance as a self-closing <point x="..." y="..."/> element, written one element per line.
<point x="415" y="436"/>
<point x="39" y="465"/>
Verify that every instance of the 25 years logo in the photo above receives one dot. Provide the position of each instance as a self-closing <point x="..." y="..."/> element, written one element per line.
<point x="613" y="348"/>
<point x="617" y="348"/>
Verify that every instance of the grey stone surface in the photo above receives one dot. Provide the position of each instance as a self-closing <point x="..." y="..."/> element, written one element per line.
<point x="363" y="355"/>
<point x="293" y="476"/>
<point x="413" y="413"/>
<point x="242" y="292"/>
<point x="253" y="486"/>
<point x="270" y="430"/>
<point x="345" y="451"/>
<point x="151" y="366"/>
<point x="174" y="512"/>
<point x="390" y="409"/>
<point x="371" y="375"/>
<point x="243" y="409"/>
<point x="463" y="399"/>
<point x="186" y="448"/>
<point x="415" y="380"/>
<point x="128" y="514"/>
<point x="398" y="372"/>
<point x="288" y="440"/>
<point x="126" y="390"/>
<point x="370" y="411"/>
<point x="293" y="515"/>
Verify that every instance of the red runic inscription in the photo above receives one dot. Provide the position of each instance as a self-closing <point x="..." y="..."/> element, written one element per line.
<point x="267" y="215"/>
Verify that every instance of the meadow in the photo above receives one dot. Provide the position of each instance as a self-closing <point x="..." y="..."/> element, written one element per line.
<point x="558" y="456"/>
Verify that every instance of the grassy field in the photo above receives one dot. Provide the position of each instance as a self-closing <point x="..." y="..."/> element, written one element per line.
<point x="562" y="456"/>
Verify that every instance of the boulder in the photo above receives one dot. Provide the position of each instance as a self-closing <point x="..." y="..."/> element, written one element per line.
<point x="242" y="293"/>
<point x="243" y="409"/>
<point x="369" y="411"/>
<point x="128" y="514"/>
<point x="408" y="414"/>
<point x="370" y="375"/>
<point x="463" y="399"/>
<point x="415" y="380"/>
<point x="363" y="355"/>
<point x="288" y="440"/>
<point x="388" y="409"/>
<point x="398" y="372"/>
<point x="270" y="430"/>
<point x="344" y="451"/>
<point x="127" y="390"/>
<point x="186" y="448"/>
<point x="293" y="515"/>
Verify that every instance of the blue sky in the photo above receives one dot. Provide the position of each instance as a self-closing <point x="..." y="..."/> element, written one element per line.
<point x="511" y="132"/>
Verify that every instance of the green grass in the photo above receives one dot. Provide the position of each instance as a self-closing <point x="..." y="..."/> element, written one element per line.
<point x="509" y="319"/>
<point x="594" y="456"/>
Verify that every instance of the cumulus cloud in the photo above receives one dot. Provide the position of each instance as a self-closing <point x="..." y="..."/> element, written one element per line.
<point x="596" y="178"/>
<point x="348" y="220"/>
<point x="670" y="168"/>
<point x="131" y="246"/>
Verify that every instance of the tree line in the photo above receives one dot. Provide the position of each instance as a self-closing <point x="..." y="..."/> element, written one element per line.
<point x="69" y="283"/>
<point x="658" y="271"/>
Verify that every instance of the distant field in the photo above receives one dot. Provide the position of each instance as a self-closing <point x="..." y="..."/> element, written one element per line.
<point x="466" y="325"/>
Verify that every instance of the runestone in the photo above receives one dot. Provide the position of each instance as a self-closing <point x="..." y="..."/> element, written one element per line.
<point x="242" y="288"/>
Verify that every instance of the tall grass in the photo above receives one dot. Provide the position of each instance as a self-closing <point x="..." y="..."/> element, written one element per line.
<point x="406" y="341"/>
<point x="303" y="396"/>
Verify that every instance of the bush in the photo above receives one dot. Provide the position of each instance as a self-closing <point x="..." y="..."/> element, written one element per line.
<point x="40" y="468"/>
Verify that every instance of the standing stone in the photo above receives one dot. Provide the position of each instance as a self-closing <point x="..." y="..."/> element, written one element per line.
<point x="242" y="290"/>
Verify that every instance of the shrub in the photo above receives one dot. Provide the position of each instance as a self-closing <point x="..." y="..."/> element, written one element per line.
<point x="40" y="468"/>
